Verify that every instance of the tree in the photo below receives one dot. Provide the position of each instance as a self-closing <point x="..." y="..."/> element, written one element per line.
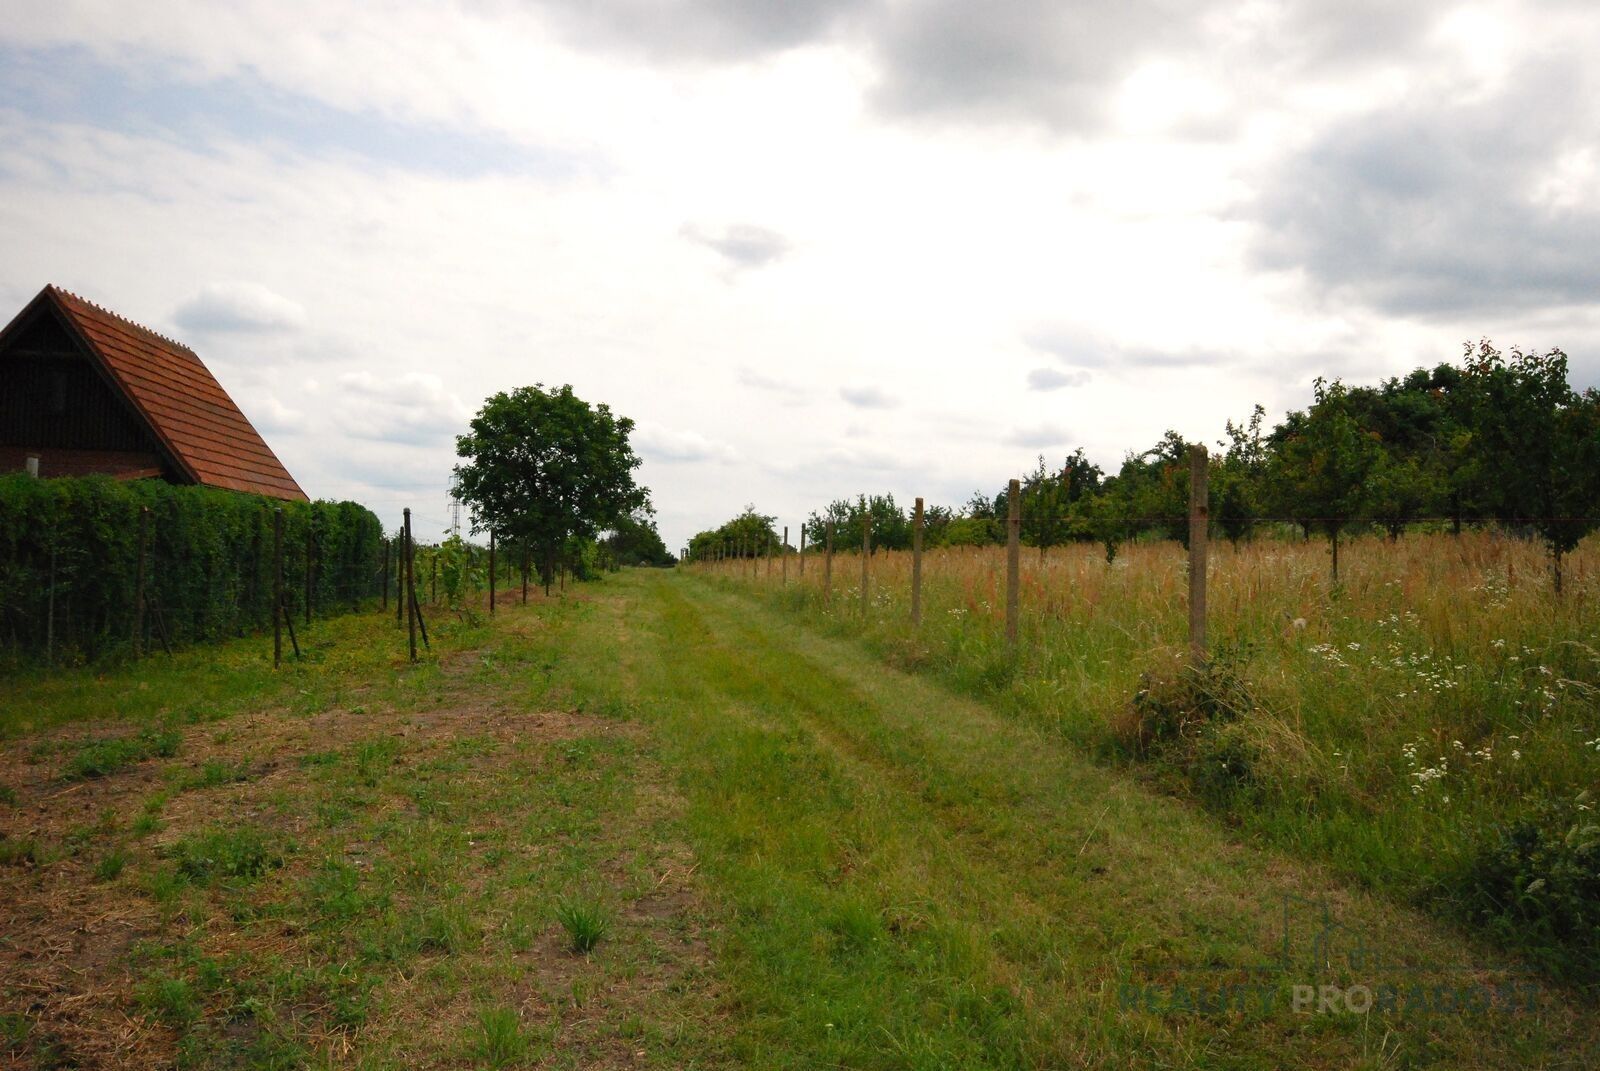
<point x="1238" y="478"/>
<point x="543" y="466"/>
<point x="635" y="541"/>
<point x="1535" y="443"/>
<point x="1323" y="466"/>
<point x="746" y="536"/>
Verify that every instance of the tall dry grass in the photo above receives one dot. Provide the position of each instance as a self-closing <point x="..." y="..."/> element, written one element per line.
<point x="1404" y="718"/>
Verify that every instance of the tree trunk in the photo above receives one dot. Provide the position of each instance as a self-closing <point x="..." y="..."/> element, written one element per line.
<point x="1556" y="564"/>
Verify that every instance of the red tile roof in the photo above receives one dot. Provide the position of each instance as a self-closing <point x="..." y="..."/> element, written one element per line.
<point x="187" y="409"/>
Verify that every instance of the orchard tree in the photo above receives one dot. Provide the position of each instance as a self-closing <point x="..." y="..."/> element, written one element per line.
<point x="1323" y="465"/>
<point x="542" y="467"/>
<point x="1536" y="443"/>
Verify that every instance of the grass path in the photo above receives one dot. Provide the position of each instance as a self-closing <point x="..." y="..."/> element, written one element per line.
<point x="918" y="881"/>
<point x="806" y="860"/>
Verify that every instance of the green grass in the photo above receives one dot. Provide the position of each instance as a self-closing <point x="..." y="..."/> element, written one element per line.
<point x="1423" y="727"/>
<point x="790" y="856"/>
<point x="101" y="758"/>
<point x="586" y="921"/>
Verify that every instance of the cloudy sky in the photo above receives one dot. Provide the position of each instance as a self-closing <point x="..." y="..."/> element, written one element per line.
<point x="812" y="248"/>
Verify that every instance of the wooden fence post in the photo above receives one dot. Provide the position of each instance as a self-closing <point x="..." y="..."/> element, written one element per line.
<point x="386" y="576"/>
<point x="277" y="587"/>
<point x="827" y="568"/>
<point x="491" y="572"/>
<point x="866" y="553"/>
<point x="410" y="597"/>
<point x="1199" y="526"/>
<point x="802" y="562"/>
<point x="138" y="583"/>
<point x="1013" y="557"/>
<point x="784" y="550"/>
<point x="769" y="557"/>
<point x="916" y="565"/>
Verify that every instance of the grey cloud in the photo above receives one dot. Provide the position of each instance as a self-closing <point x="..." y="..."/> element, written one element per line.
<point x="657" y="443"/>
<point x="790" y="392"/>
<point x="239" y="307"/>
<point x="673" y="31"/>
<point x="1055" y="379"/>
<point x="743" y="245"/>
<point x="1085" y="349"/>
<point x="1435" y="207"/>
<point x="1039" y="436"/>
<point x="867" y="398"/>
<point x="1039" y="62"/>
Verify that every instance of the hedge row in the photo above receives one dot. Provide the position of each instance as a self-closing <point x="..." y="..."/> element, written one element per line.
<point x="69" y="551"/>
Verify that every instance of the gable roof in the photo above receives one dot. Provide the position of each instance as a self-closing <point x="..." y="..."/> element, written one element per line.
<point x="187" y="410"/>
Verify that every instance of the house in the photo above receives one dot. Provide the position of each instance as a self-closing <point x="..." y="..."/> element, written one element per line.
<point x="84" y="391"/>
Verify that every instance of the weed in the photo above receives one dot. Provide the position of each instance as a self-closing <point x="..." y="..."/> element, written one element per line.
<point x="586" y="922"/>
<point x="19" y="851"/>
<point x="498" y="1040"/>
<point x="213" y="773"/>
<point x="221" y="853"/>
<point x="101" y="758"/>
<point x="111" y="865"/>
<point x="172" y="1000"/>
<point x="8" y="795"/>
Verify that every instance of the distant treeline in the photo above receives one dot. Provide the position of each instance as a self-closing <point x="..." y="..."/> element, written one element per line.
<point x="1494" y="438"/>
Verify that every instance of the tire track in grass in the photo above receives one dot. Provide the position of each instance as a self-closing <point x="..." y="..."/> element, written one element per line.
<point x="954" y="808"/>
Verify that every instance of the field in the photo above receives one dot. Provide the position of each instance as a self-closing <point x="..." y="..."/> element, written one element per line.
<point x="663" y="823"/>
<point x="1393" y="725"/>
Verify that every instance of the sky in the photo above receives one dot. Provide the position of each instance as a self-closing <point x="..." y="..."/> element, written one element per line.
<point x="811" y="249"/>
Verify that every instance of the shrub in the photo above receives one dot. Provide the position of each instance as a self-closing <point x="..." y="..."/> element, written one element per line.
<point x="207" y="567"/>
<point x="1536" y="882"/>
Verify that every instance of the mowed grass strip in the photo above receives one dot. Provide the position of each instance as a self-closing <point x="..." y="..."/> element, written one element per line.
<point x="356" y="863"/>
<point x="911" y="880"/>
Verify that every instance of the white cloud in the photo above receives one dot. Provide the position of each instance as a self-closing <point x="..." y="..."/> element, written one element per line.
<point x="1055" y="378"/>
<point x="868" y="397"/>
<point x="249" y="307"/>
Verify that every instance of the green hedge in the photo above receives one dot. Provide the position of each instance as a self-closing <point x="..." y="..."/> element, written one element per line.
<point x="208" y="566"/>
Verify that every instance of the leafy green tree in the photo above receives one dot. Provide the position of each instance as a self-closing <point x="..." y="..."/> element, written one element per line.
<point x="1534" y="442"/>
<point x="746" y="536"/>
<point x="1323" y="466"/>
<point x="1238" y="479"/>
<point x="635" y="541"/>
<point x="543" y="466"/>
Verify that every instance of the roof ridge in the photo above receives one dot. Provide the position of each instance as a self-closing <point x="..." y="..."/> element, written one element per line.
<point x="122" y="319"/>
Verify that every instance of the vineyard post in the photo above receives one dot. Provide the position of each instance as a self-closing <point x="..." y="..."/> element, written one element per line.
<point x="827" y="568"/>
<point x="411" y="591"/>
<point x="399" y="577"/>
<point x="1013" y="557"/>
<point x="916" y="565"/>
<point x="769" y="557"/>
<point x="277" y="587"/>
<point x="866" y="553"/>
<point x="138" y="583"/>
<point x="1199" y="518"/>
<point x="802" y="562"/>
<point x="491" y="571"/>
<point x="784" y="550"/>
<point x="385" y="576"/>
<point x="309" y="551"/>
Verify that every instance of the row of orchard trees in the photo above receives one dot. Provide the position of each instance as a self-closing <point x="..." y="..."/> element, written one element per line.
<point x="1496" y="438"/>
